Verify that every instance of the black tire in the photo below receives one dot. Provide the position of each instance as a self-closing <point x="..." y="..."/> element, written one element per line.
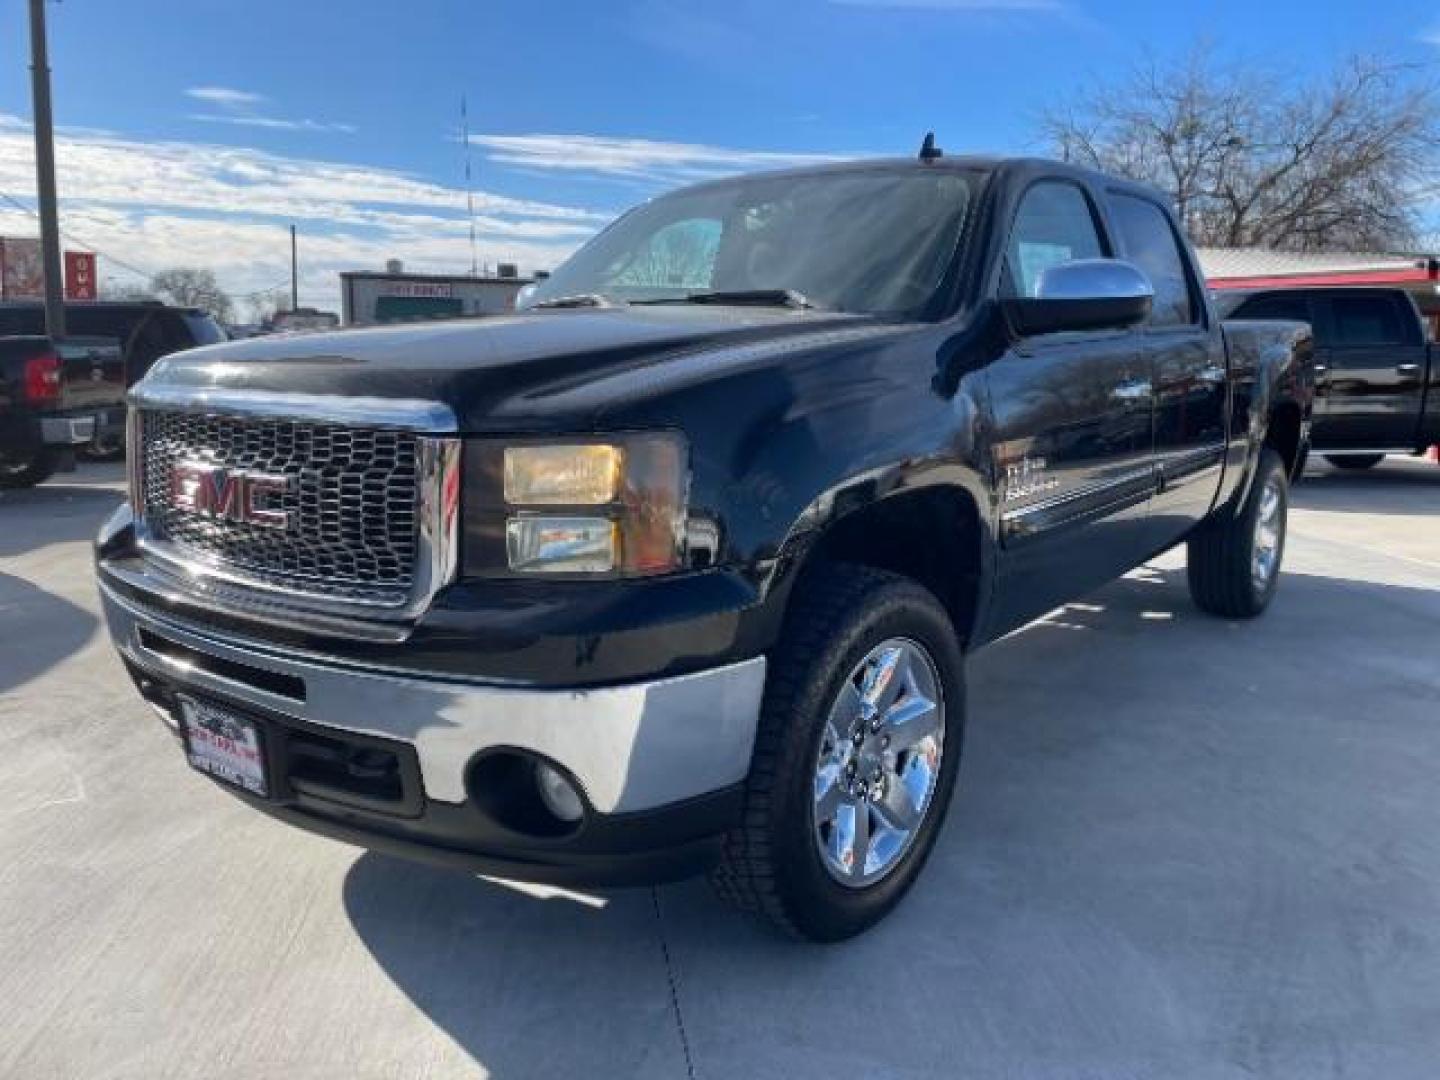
<point x="1354" y="462"/>
<point x="771" y="864"/>
<point x="24" y="474"/>
<point x="1222" y="552"/>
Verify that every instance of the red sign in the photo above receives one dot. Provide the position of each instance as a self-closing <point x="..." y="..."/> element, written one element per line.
<point x="80" y="275"/>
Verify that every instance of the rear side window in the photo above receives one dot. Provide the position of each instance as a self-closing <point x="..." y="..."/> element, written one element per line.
<point x="1147" y="240"/>
<point x="1053" y="225"/>
<point x="1367" y="320"/>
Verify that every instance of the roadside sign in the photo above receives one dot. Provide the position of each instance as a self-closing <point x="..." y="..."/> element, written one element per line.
<point x="80" y="275"/>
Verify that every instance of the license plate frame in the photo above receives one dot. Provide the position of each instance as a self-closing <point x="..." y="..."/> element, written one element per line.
<point x="225" y="744"/>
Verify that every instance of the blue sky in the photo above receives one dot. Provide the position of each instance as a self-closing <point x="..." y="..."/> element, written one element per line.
<point x="194" y="133"/>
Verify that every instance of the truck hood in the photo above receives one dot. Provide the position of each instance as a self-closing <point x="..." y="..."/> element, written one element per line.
<point x="505" y="372"/>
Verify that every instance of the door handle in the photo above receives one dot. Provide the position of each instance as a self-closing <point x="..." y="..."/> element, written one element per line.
<point x="1407" y="369"/>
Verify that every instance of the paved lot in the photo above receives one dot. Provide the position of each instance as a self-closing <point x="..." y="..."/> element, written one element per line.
<point x="1181" y="848"/>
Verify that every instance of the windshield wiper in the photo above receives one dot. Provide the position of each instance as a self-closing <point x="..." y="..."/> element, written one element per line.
<point x="791" y="298"/>
<point x="589" y="299"/>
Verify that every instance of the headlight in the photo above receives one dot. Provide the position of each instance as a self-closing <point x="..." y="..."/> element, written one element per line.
<point x="608" y="507"/>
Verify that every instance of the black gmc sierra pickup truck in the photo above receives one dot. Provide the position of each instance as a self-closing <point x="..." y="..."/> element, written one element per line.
<point x="1377" y="378"/>
<point x="675" y="570"/>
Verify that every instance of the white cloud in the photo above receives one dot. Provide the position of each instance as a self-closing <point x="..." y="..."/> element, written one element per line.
<point x="644" y="159"/>
<point x="225" y="96"/>
<point x="1431" y="36"/>
<point x="158" y="204"/>
<point x="241" y="108"/>
<point x="273" y="122"/>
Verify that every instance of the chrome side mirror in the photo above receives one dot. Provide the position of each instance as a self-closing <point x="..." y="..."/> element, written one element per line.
<point x="1086" y="294"/>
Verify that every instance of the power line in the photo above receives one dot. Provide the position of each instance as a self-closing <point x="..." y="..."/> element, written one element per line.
<point x="78" y="239"/>
<point x="121" y="262"/>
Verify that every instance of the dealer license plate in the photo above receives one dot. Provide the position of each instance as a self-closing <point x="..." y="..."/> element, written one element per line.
<point x="225" y="745"/>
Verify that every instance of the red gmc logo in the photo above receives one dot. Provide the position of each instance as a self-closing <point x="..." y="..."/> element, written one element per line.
<point x="214" y="491"/>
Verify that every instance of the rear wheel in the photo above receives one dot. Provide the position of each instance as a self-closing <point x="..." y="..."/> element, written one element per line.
<point x="27" y="473"/>
<point x="1354" y="461"/>
<point x="855" y="758"/>
<point x="1234" y="560"/>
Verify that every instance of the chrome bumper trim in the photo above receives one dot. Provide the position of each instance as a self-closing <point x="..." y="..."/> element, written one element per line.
<point x="632" y="747"/>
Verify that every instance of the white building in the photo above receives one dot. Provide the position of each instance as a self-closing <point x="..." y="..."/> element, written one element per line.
<point x="371" y="297"/>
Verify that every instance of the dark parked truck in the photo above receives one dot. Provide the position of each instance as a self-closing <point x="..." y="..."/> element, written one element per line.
<point x="141" y="330"/>
<point x="51" y="401"/>
<point x="1377" y="377"/>
<point x="676" y="570"/>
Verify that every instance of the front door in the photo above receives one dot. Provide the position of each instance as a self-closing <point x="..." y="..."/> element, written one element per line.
<point x="1072" y="428"/>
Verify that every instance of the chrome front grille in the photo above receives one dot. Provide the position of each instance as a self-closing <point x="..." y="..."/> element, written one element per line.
<point x="352" y="503"/>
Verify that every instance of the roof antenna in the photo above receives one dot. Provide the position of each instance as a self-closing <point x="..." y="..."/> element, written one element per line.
<point x="928" y="150"/>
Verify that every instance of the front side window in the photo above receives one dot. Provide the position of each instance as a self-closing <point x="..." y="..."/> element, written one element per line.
<point x="876" y="241"/>
<point x="1147" y="240"/>
<point x="1053" y="225"/>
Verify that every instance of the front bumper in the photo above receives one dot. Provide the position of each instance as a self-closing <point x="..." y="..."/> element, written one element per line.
<point x="659" y="764"/>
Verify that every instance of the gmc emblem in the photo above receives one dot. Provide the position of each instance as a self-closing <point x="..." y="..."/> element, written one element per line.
<point x="214" y="491"/>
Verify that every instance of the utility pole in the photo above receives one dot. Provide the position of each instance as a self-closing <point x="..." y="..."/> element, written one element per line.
<point x="45" y="174"/>
<point x="294" y="273"/>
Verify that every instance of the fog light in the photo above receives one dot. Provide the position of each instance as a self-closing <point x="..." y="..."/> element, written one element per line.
<point x="561" y="545"/>
<point x="558" y="794"/>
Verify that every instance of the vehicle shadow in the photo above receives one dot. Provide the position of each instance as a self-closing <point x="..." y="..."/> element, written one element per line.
<point x="1395" y="486"/>
<point x="1167" y="829"/>
<point x="37" y="631"/>
<point x="66" y="508"/>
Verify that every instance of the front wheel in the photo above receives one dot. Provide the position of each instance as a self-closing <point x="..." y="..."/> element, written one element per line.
<point x="855" y="759"/>
<point x="1234" y="560"/>
<point x="1354" y="462"/>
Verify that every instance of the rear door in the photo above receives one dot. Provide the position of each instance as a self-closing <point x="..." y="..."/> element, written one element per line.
<point x="1186" y="358"/>
<point x="1072" y="439"/>
<point x="1370" y="364"/>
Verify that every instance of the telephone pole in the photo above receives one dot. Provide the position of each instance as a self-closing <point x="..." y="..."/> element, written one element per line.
<point x="45" y="174"/>
<point x="294" y="272"/>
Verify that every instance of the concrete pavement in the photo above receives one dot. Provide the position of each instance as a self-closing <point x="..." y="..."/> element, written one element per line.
<point x="1180" y="848"/>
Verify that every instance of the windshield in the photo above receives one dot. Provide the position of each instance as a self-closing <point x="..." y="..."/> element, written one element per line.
<point x="871" y="241"/>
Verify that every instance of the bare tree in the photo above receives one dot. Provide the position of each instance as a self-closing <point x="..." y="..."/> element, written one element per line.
<point x="1335" y="163"/>
<point x="192" y="286"/>
<point x="110" y="289"/>
<point x="264" y="306"/>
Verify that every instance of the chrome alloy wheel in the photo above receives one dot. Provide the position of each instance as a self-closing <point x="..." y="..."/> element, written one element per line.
<point x="1269" y="526"/>
<point x="879" y="762"/>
